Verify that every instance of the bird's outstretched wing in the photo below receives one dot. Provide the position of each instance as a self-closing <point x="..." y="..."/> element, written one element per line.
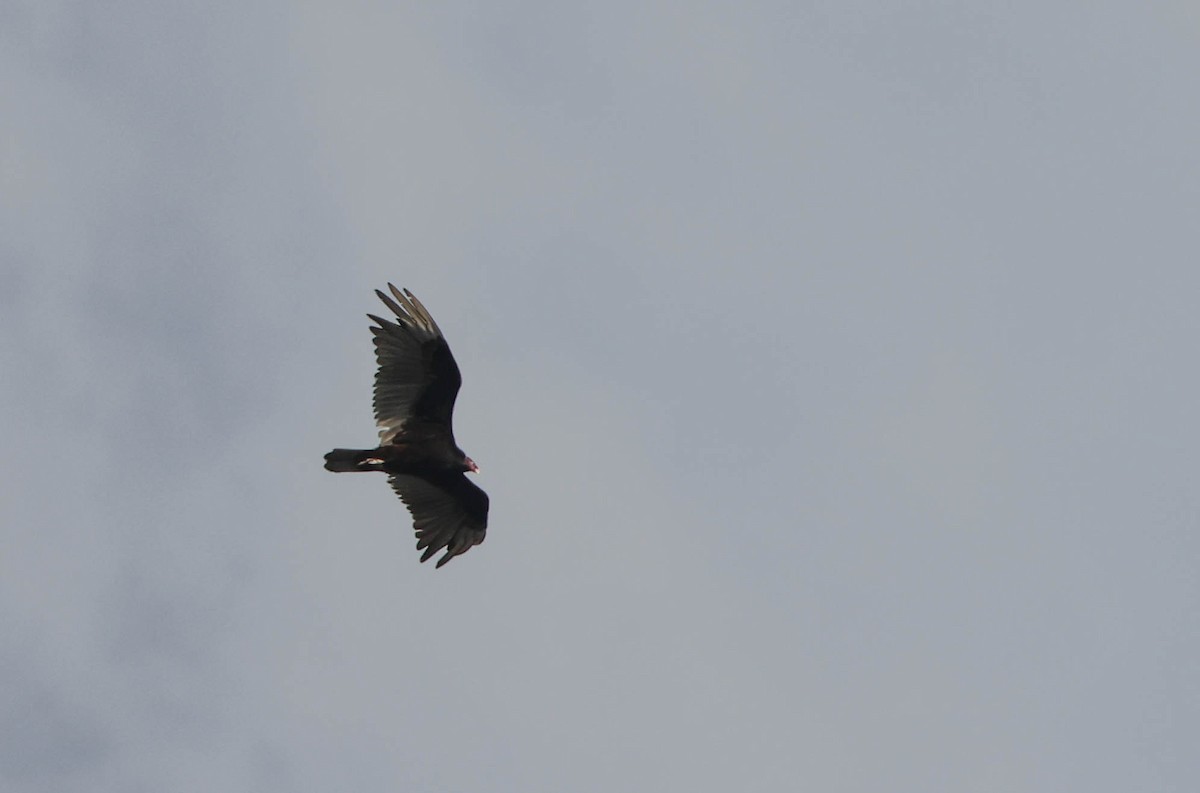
<point x="417" y="376"/>
<point x="448" y="512"/>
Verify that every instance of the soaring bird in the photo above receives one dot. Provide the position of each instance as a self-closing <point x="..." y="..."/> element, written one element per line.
<point x="415" y="388"/>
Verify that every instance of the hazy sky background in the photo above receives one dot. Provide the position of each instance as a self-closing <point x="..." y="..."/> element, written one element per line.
<point x="832" y="367"/>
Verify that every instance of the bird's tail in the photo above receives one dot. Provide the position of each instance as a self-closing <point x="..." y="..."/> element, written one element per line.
<point x="342" y="460"/>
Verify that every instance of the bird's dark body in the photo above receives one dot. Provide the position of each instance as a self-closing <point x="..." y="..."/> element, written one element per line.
<point x="415" y="390"/>
<point x="406" y="455"/>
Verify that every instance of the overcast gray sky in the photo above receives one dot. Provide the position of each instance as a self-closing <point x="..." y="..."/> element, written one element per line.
<point x="831" y="366"/>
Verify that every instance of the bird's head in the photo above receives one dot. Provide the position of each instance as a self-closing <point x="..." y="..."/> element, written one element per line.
<point x="469" y="465"/>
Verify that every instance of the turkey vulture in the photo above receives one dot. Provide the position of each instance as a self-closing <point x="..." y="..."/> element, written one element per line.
<point x="415" y="389"/>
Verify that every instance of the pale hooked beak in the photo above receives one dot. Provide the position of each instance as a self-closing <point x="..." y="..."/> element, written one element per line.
<point x="471" y="466"/>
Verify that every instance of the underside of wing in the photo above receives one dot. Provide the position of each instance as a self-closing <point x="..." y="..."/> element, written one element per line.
<point x="448" y="512"/>
<point x="417" y="375"/>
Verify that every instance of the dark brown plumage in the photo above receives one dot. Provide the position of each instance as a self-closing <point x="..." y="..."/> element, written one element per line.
<point x="415" y="388"/>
